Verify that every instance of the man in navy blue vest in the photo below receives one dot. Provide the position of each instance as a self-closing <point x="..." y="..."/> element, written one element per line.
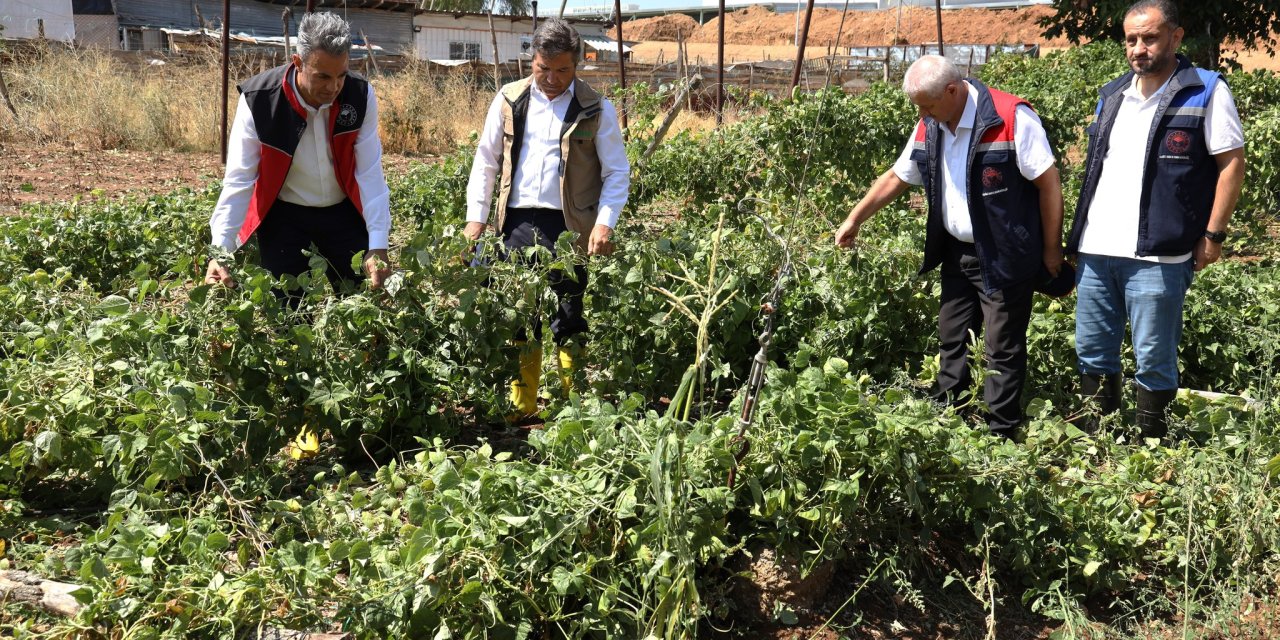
<point x="994" y="225"/>
<point x="1162" y="176"/>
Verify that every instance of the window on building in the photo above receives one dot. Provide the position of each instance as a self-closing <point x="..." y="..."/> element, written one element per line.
<point x="464" y="50"/>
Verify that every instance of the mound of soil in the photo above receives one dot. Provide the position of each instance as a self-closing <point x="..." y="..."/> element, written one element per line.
<point x="668" y="28"/>
<point x="757" y="25"/>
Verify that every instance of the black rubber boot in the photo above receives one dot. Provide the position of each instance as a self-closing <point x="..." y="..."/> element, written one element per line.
<point x="1107" y="391"/>
<point x="1152" y="405"/>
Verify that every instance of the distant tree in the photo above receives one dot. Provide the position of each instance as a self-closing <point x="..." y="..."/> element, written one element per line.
<point x="505" y="7"/>
<point x="1208" y="23"/>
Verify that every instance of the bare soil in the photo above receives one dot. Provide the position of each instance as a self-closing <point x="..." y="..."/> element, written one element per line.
<point x="915" y="25"/>
<point x="52" y="173"/>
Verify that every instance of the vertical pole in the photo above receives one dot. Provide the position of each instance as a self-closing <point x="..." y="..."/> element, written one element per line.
<point x="226" y="70"/>
<point x="804" y="37"/>
<point x="622" y="63"/>
<point x="311" y="6"/>
<point x="497" y="70"/>
<point x="720" y="71"/>
<point x="285" y="16"/>
<point x="937" y="9"/>
<point x="368" y="49"/>
<point x="40" y="28"/>
<point x="535" y="21"/>
<point x="562" y="4"/>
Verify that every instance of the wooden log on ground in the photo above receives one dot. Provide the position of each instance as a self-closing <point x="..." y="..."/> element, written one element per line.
<point x="53" y="597"/>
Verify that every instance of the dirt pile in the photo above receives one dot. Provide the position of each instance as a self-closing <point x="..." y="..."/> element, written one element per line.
<point x="758" y="25"/>
<point x="663" y="28"/>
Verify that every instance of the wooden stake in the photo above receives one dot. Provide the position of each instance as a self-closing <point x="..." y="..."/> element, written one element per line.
<point x="694" y="83"/>
<point x="497" y="71"/>
<point x="4" y="92"/>
<point x="368" y="46"/>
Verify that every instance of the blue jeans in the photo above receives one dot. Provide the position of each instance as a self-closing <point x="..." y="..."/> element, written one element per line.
<point x="1149" y="295"/>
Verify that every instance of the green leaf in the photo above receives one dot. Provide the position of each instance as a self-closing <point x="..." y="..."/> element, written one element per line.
<point x="113" y="305"/>
<point x="1091" y="567"/>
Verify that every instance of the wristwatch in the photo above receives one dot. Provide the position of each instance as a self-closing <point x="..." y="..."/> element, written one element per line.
<point x="1216" y="236"/>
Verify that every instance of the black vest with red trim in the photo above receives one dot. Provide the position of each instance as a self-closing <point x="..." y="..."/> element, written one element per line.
<point x="281" y="121"/>
<point x="1003" y="205"/>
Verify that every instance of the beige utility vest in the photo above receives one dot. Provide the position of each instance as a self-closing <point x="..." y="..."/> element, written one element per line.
<point x="580" y="181"/>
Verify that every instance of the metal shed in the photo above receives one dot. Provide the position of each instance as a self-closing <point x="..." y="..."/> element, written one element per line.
<point x="390" y="25"/>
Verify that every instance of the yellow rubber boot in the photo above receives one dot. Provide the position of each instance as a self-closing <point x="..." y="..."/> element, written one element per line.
<point x="570" y="358"/>
<point x="524" y="391"/>
<point x="305" y="445"/>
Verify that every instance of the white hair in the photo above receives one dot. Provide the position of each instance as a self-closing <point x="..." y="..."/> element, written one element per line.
<point x="325" y="32"/>
<point x="929" y="75"/>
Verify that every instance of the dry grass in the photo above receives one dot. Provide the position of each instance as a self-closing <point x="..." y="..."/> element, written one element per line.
<point x="426" y="113"/>
<point x="91" y="99"/>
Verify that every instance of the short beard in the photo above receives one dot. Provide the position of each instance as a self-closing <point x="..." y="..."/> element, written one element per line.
<point x="1151" y="67"/>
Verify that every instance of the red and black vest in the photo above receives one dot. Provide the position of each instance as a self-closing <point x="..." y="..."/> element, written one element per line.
<point x="281" y="120"/>
<point x="1003" y="205"/>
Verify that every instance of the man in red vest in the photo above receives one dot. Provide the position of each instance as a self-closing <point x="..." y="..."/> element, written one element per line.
<point x="304" y="165"/>
<point x="994" y="225"/>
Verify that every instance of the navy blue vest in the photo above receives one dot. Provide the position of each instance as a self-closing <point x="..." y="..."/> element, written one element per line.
<point x="1003" y="205"/>
<point x="1179" y="179"/>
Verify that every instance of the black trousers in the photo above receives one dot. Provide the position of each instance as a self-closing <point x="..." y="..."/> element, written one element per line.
<point x="531" y="227"/>
<point x="338" y="233"/>
<point x="1004" y="315"/>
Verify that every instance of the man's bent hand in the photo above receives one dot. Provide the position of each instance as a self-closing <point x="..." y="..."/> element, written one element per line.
<point x="847" y="233"/>
<point x="1207" y="252"/>
<point x="600" y="243"/>
<point x="377" y="266"/>
<point x="218" y="274"/>
<point x="474" y="230"/>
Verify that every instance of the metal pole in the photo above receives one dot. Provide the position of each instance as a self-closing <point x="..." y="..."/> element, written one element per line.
<point x="720" y="71"/>
<point x="226" y="70"/>
<point x="311" y="6"/>
<point x="535" y="19"/>
<point x="937" y="6"/>
<point x="804" y="38"/>
<point x="562" y="4"/>
<point x="622" y="63"/>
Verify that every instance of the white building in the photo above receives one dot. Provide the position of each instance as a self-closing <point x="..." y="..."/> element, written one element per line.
<point x="440" y="35"/>
<point x="24" y="19"/>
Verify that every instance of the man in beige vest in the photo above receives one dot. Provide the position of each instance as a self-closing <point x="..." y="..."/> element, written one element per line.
<point x="563" y="168"/>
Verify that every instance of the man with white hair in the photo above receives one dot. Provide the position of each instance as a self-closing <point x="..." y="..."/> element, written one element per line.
<point x="994" y="225"/>
<point x="304" y="165"/>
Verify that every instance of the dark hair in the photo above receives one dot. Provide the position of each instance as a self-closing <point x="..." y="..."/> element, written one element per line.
<point x="1165" y="7"/>
<point x="554" y="37"/>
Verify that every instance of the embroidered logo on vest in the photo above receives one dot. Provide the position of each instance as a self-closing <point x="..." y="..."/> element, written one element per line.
<point x="992" y="177"/>
<point x="347" y="116"/>
<point x="1177" y="142"/>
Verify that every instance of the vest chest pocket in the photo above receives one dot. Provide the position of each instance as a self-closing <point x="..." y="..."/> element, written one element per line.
<point x="1176" y="145"/>
<point x="995" y="171"/>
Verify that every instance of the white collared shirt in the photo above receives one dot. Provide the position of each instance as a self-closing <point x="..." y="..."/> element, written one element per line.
<point x="536" y="183"/>
<point x="1034" y="156"/>
<point x="311" y="180"/>
<point x="1112" y="226"/>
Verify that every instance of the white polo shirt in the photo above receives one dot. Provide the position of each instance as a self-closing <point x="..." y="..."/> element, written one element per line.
<point x="1112" y="226"/>
<point x="1035" y="156"/>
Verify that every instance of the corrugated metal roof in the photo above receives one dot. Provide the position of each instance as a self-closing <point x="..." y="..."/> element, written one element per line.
<point x="390" y="30"/>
